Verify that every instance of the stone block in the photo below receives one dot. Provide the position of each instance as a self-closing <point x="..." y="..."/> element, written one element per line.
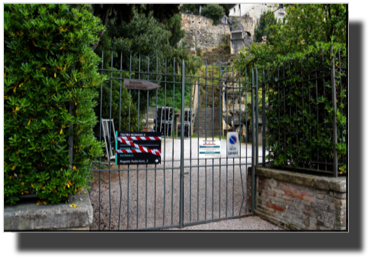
<point x="340" y="195"/>
<point x="306" y="202"/>
<point x="29" y="216"/>
<point x="308" y="198"/>
<point x="321" y="191"/>
<point x="320" y="196"/>
<point x="286" y="197"/>
<point x="279" y="191"/>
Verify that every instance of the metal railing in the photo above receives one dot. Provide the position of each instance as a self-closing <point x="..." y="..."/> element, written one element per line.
<point x="184" y="189"/>
<point x="301" y="94"/>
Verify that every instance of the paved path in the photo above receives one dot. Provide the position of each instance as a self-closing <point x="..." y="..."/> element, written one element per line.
<point x="134" y="199"/>
<point x="245" y="223"/>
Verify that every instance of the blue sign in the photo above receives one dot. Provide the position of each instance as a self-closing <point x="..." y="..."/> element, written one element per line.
<point x="233" y="140"/>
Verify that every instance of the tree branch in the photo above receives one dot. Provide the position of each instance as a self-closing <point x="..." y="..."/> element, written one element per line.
<point x="104" y="21"/>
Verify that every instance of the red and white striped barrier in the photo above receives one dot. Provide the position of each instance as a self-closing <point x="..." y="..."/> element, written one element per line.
<point x="153" y="151"/>
<point x="141" y="148"/>
<point x="152" y="138"/>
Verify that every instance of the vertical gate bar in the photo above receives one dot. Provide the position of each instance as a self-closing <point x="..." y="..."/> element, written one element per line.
<point x="191" y="138"/>
<point x="227" y="76"/>
<point x="213" y="101"/>
<point x="257" y="115"/>
<point x="240" y="134"/>
<point x="220" y="127"/>
<point x="291" y="162"/>
<point x="110" y="146"/>
<point x="155" y="166"/>
<point x="278" y="95"/>
<point x="100" y="131"/>
<point x="198" y="155"/>
<point x="253" y="134"/>
<point x="121" y="83"/>
<point x="233" y="128"/>
<point x="308" y="84"/>
<point x="163" y="218"/>
<point x="172" y="132"/>
<point x="324" y="95"/>
<point x="263" y="119"/>
<point x="290" y="116"/>
<point x="284" y="91"/>
<point x="289" y="91"/>
<point x="247" y="133"/>
<point x="129" y="129"/>
<point x="138" y="129"/>
<point x="333" y="90"/>
<point x="206" y="139"/>
<point x="303" y="109"/>
<point x="146" y="166"/>
<point x="182" y="145"/>
<point x="340" y="90"/>
<point x="316" y="99"/>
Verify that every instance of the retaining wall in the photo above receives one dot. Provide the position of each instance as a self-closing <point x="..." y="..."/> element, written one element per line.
<point x="298" y="201"/>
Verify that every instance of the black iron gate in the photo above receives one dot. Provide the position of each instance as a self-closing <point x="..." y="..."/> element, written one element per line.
<point x="196" y="181"/>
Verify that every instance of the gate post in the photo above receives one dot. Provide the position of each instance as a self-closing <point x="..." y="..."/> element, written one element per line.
<point x="253" y="144"/>
<point x="181" y="198"/>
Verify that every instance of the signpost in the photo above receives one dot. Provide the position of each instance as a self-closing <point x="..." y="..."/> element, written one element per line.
<point x="134" y="148"/>
<point x="209" y="149"/>
<point x="233" y="148"/>
<point x="139" y="84"/>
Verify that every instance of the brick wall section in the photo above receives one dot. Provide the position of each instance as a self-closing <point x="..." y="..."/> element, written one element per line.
<point x="299" y="205"/>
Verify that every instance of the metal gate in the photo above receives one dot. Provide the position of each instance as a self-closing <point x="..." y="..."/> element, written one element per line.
<point x="189" y="186"/>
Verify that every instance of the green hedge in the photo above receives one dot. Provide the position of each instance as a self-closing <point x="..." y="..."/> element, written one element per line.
<point x="49" y="63"/>
<point x="301" y="114"/>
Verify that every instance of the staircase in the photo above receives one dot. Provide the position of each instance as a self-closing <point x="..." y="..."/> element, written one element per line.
<point x="207" y="122"/>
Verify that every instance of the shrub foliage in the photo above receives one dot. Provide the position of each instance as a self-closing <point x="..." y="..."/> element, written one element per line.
<point x="301" y="112"/>
<point x="213" y="11"/>
<point x="49" y="64"/>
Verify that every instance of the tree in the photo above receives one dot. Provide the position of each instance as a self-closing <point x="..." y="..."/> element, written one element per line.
<point x="213" y="11"/>
<point x="174" y="26"/>
<point x="267" y="20"/>
<point x="304" y="25"/>
<point x="120" y="13"/>
<point x="191" y="8"/>
<point x="143" y="35"/>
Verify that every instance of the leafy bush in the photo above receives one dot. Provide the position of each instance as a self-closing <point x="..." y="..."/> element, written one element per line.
<point x="168" y="100"/>
<point x="49" y="64"/>
<point x="263" y="28"/>
<point x="128" y="111"/>
<point x="301" y="113"/>
<point x="213" y="11"/>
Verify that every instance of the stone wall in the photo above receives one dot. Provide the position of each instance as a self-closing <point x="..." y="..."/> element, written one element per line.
<point x="200" y="29"/>
<point x="299" y="201"/>
<point x="29" y="216"/>
<point x="246" y="22"/>
<point x="215" y="55"/>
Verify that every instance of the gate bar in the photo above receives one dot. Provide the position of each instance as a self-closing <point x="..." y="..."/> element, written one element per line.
<point x="253" y="147"/>
<point x="182" y="143"/>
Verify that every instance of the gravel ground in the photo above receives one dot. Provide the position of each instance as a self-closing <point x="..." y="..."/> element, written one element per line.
<point x="245" y="223"/>
<point x="152" y="196"/>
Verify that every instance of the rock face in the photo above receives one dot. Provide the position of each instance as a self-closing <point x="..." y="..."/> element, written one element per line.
<point x="202" y="35"/>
